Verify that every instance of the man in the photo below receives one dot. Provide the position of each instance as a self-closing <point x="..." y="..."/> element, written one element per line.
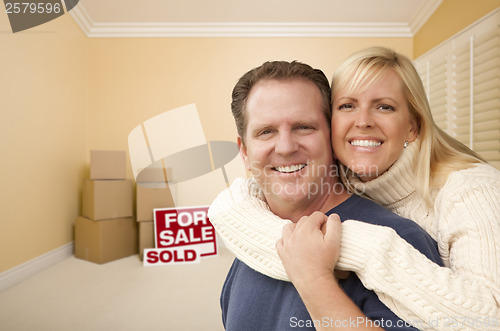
<point x="282" y="113"/>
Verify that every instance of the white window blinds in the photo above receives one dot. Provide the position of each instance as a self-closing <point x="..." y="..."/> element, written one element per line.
<point x="462" y="80"/>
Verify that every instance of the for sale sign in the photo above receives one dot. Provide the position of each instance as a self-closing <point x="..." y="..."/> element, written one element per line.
<point x="182" y="235"/>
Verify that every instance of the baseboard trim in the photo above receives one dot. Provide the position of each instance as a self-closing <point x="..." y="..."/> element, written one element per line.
<point x="28" y="269"/>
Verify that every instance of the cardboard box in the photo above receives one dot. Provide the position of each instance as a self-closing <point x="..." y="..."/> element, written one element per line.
<point x="149" y="197"/>
<point x="105" y="199"/>
<point x="146" y="236"/>
<point x="107" y="164"/>
<point x="106" y="240"/>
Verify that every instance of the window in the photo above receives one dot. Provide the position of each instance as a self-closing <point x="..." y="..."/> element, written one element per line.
<point x="462" y="81"/>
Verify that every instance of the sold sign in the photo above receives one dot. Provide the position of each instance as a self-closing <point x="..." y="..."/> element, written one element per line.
<point x="182" y="235"/>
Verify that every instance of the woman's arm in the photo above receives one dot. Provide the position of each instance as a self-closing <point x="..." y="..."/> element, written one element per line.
<point x="465" y="296"/>
<point x="248" y="228"/>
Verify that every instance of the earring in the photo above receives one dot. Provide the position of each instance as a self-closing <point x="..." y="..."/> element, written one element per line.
<point x="406" y="144"/>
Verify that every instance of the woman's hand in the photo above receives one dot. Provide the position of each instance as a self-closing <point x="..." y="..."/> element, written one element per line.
<point x="310" y="248"/>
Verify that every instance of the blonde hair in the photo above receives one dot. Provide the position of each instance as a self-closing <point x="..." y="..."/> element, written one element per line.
<point x="439" y="154"/>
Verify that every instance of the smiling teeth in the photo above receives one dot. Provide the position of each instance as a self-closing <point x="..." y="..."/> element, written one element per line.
<point x="366" y="143"/>
<point x="291" y="168"/>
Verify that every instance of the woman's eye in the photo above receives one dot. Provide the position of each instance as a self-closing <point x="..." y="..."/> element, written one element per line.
<point x="346" y="106"/>
<point x="386" y="107"/>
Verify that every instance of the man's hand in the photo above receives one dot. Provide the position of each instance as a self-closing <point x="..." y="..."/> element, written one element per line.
<point x="310" y="248"/>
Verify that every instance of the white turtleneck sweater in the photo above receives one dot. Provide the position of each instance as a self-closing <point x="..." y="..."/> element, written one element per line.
<point x="465" y="222"/>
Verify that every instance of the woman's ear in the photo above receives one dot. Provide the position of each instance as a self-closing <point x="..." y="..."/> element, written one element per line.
<point x="414" y="130"/>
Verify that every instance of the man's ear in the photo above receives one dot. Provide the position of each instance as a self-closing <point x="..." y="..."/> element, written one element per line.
<point x="243" y="153"/>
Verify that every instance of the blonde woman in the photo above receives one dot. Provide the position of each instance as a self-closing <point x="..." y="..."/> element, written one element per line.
<point x="418" y="172"/>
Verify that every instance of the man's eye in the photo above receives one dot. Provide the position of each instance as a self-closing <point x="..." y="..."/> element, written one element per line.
<point x="264" y="132"/>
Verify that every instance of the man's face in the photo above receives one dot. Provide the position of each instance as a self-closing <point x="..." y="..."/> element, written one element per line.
<point x="287" y="142"/>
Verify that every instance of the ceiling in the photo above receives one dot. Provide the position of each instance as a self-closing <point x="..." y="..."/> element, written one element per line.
<point x="151" y="18"/>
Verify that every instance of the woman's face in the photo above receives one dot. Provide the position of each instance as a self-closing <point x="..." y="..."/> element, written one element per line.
<point x="370" y="127"/>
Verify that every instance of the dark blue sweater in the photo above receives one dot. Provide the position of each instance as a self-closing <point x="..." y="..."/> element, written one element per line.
<point x="251" y="301"/>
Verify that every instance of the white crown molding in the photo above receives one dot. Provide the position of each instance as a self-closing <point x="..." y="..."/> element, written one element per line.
<point x="82" y="18"/>
<point x="425" y="12"/>
<point x="102" y="30"/>
<point x="154" y="30"/>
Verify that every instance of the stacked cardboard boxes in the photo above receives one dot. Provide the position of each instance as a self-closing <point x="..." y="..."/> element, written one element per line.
<point x="152" y="192"/>
<point x="106" y="231"/>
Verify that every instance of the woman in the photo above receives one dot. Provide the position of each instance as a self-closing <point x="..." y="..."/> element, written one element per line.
<point x="417" y="171"/>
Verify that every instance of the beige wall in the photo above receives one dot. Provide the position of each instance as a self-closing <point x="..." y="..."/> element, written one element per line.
<point x="132" y="80"/>
<point x="43" y="137"/>
<point x="66" y="95"/>
<point x="62" y="94"/>
<point x="451" y="17"/>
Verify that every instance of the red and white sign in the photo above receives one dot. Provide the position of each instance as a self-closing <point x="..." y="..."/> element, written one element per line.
<point x="163" y="256"/>
<point x="182" y="235"/>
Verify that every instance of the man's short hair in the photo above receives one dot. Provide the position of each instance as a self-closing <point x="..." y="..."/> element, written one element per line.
<point x="276" y="70"/>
